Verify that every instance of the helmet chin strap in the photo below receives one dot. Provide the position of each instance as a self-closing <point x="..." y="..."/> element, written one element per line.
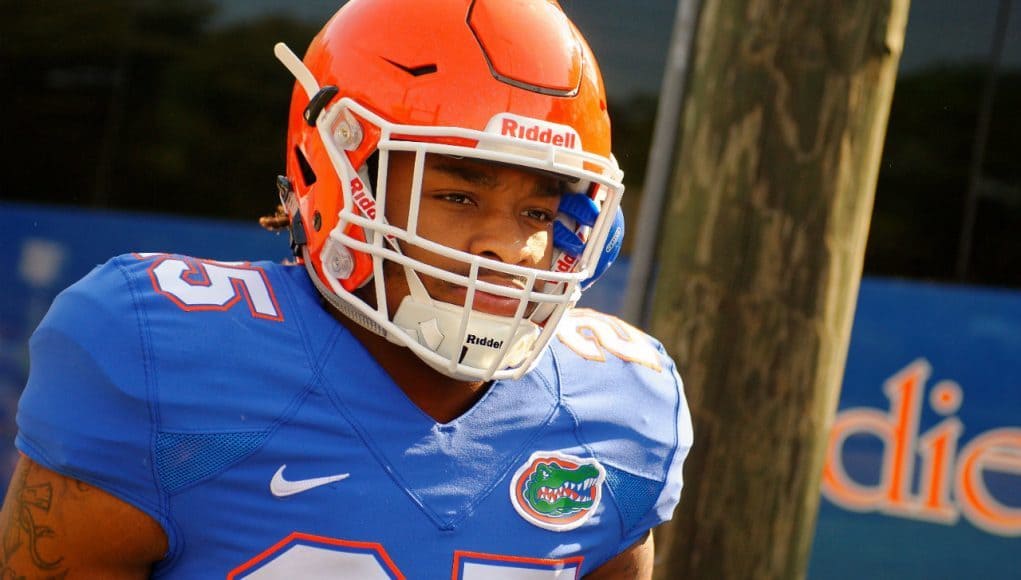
<point x="451" y="333"/>
<point x="460" y="335"/>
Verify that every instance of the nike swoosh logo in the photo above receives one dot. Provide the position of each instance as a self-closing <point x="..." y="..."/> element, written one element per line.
<point x="283" y="488"/>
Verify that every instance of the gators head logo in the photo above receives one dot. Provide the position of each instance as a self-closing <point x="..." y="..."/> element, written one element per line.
<point x="557" y="491"/>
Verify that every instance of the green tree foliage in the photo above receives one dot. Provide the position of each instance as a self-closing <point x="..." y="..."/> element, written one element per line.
<point x="220" y="122"/>
<point x="140" y="104"/>
<point x="924" y="176"/>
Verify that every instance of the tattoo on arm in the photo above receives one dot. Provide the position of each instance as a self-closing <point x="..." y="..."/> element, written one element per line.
<point x="22" y="530"/>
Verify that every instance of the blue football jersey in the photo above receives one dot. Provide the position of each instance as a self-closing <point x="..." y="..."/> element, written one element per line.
<point x="222" y="399"/>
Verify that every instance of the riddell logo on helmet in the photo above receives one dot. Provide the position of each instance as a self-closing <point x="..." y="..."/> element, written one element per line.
<point x="363" y="201"/>
<point x="565" y="263"/>
<point x="484" y="341"/>
<point x="510" y="125"/>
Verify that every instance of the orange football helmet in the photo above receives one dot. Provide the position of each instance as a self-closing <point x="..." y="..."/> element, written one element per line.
<point x="506" y="81"/>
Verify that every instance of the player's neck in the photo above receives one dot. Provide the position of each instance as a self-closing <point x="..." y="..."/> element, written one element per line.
<point x="439" y="396"/>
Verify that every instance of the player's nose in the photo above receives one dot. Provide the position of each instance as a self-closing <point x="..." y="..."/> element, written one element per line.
<point x="500" y="236"/>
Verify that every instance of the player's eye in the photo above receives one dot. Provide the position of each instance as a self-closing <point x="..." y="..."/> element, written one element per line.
<point x="540" y="215"/>
<point x="455" y="197"/>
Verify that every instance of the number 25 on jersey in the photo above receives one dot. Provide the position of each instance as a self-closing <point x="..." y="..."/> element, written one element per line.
<point x="195" y="285"/>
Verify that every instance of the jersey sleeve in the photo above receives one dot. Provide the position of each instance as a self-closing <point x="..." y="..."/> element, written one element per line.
<point x="666" y="433"/>
<point x="85" y="412"/>
<point x="673" y="477"/>
<point x="630" y="408"/>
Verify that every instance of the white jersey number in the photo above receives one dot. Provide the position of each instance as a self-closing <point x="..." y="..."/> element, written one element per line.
<point x="194" y="284"/>
<point x="591" y="334"/>
<point x="318" y="558"/>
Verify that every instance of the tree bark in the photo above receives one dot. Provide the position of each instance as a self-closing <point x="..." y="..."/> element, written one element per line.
<point x="760" y="263"/>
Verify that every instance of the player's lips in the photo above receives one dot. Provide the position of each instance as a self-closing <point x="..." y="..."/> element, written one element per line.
<point x="492" y="303"/>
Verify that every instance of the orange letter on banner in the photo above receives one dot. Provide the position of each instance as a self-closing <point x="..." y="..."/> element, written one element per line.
<point x="997" y="450"/>
<point x="938" y="448"/>
<point x="897" y="430"/>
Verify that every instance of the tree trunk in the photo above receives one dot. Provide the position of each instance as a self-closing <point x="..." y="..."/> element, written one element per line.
<point x="760" y="263"/>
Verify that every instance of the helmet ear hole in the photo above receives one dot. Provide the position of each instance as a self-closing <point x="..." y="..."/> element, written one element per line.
<point x="307" y="175"/>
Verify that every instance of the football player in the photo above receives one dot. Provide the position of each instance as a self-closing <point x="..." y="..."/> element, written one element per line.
<point x="413" y="396"/>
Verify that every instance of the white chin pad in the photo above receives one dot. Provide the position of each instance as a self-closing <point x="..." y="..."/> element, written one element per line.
<point x="488" y="342"/>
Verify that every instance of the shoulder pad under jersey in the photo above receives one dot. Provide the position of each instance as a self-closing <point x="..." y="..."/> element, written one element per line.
<point x="629" y="403"/>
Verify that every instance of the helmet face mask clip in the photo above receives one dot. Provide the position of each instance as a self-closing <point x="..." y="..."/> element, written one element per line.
<point x="349" y="111"/>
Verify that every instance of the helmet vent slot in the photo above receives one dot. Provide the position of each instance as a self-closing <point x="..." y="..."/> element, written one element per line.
<point x="415" y="71"/>
<point x="307" y="175"/>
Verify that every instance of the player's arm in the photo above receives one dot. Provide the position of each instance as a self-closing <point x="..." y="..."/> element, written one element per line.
<point x="635" y="563"/>
<point x="54" y="526"/>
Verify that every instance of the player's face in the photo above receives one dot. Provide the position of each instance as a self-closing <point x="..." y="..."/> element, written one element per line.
<point x="488" y="210"/>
